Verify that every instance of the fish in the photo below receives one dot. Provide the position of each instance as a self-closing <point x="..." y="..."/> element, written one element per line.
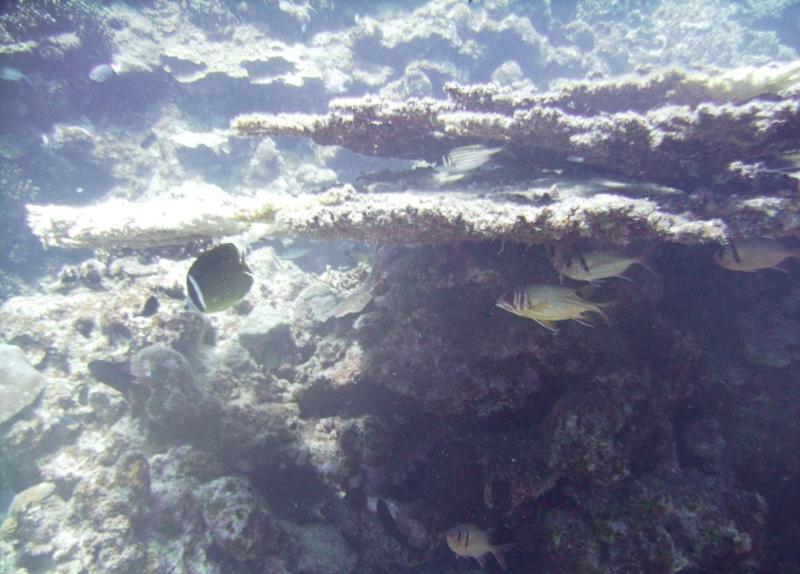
<point x="548" y="304"/>
<point x="386" y="519"/>
<point x="469" y="541"/>
<point x="754" y="254"/>
<point x="9" y="74"/>
<point x="116" y="375"/>
<point x="294" y="252"/>
<point x="150" y="307"/>
<point x="148" y="140"/>
<point x="466" y="158"/>
<point x="594" y="266"/>
<point x="102" y="73"/>
<point x="218" y="279"/>
<point x="353" y="303"/>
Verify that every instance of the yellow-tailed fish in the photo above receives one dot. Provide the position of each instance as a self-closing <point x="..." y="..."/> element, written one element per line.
<point x="469" y="541"/>
<point x="596" y="265"/>
<point x="754" y="254"/>
<point x="548" y="304"/>
<point x="218" y="279"/>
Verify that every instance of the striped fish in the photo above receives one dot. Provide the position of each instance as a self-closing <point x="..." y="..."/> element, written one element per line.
<point x="548" y="304"/>
<point x="468" y="540"/>
<point x="467" y="158"/>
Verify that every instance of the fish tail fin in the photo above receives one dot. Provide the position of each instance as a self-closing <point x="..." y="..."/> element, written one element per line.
<point x="605" y="305"/>
<point x="499" y="553"/>
<point x="646" y="260"/>
<point x="587" y="290"/>
<point x="506" y="150"/>
<point x="648" y="264"/>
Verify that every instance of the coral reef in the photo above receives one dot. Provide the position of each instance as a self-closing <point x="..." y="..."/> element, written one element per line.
<point x="20" y="383"/>
<point x="668" y="127"/>
<point x="361" y="400"/>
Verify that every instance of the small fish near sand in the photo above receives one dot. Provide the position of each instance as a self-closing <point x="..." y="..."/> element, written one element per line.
<point x="218" y="279"/>
<point x="469" y="541"/>
<point x="594" y="266"/>
<point x="755" y="254"/>
<point x="549" y="304"/>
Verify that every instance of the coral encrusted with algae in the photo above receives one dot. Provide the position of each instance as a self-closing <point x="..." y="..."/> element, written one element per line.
<point x="665" y="127"/>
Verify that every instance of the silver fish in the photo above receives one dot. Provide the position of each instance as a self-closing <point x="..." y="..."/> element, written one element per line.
<point x="467" y="158"/>
<point x="102" y="73"/>
<point x="9" y="74"/>
<point x="754" y="254"/>
<point x="595" y="266"/>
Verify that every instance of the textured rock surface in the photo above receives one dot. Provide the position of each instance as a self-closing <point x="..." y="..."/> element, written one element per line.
<point x="670" y="127"/>
<point x="20" y="383"/>
<point x="664" y="441"/>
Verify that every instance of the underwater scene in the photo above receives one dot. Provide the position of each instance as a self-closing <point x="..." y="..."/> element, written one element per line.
<point x="400" y="287"/>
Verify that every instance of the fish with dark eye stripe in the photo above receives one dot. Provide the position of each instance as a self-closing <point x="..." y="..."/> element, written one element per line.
<point x="469" y="541"/>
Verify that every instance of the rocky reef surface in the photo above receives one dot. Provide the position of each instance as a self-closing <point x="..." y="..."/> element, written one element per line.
<point x="363" y="399"/>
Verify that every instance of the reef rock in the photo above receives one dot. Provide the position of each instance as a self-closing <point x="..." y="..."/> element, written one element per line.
<point x="667" y="127"/>
<point x="239" y="521"/>
<point x="20" y="383"/>
<point x="167" y="396"/>
<point x="267" y="336"/>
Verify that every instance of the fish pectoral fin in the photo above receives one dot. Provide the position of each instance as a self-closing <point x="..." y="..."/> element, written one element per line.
<point x="626" y="278"/>
<point x="481" y="560"/>
<point x="584" y="323"/>
<point x="551" y="325"/>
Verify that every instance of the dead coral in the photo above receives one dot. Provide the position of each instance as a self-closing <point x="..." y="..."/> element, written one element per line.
<point x="664" y="127"/>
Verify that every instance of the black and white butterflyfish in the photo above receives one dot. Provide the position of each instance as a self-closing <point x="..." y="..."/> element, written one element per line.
<point x="218" y="279"/>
